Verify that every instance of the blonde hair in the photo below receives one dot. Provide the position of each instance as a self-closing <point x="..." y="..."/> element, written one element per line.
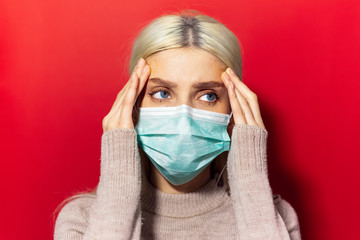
<point x="189" y="28"/>
<point x="184" y="29"/>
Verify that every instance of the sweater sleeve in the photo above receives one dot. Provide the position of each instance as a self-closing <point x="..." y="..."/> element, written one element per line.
<point x="288" y="214"/>
<point x="257" y="216"/>
<point x="115" y="212"/>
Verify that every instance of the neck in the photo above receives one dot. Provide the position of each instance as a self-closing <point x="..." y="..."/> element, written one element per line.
<point x="161" y="183"/>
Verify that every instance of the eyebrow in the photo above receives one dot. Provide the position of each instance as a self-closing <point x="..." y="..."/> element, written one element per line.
<point x="169" y="84"/>
<point x="210" y="84"/>
<point x="163" y="82"/>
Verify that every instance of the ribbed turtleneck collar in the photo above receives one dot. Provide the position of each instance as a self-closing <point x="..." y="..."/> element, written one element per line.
<point x="205" y="199"/>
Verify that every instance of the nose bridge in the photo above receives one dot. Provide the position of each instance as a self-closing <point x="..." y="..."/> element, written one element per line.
<point x="184" y="96"/>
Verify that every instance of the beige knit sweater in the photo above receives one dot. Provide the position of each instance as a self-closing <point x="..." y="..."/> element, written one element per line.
<point x="120" y="210"/>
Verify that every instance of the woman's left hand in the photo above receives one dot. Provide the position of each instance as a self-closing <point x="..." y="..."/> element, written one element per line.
<point x="243" y="101"/>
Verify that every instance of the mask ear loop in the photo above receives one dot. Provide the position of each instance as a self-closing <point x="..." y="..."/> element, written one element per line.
<point x="230" y="116"/>
<point x="217" y="181"/>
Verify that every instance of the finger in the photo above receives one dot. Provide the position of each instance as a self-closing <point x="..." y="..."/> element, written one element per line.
<point x="121" y="118"/>
<point x="139" y="95"/>
<point x="140" y="66"/>
<point x="130" y="97"/>
<point x="238" y="114"/>
<point x="249" y="95"/>
<point x="115" y="116"/>
<point x="143" y="78"/>
<point x="123" y="92"/>
<point x="137" y="70"/>
<point x="118" y="101"/>
<point x="245" y="106"/>
<point x="119" y="97"/>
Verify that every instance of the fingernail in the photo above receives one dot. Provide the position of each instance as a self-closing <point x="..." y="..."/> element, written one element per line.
<point x="229" y="70"/>
<point x="140" y="61"/>
<point x="226" y="76"/>
<point x="145" y="69"/>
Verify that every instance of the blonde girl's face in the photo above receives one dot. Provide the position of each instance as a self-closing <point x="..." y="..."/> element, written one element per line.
<point x="188" y="76"/>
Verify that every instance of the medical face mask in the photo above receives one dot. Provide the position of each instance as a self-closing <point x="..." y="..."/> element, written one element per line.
<point x="181" y="141"/>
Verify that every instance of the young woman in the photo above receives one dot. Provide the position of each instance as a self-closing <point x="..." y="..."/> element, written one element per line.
<point x="183" y="153"/>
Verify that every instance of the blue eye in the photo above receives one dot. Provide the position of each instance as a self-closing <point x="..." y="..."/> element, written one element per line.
<point x="209" y="97"/>
<point x="161" y="95"/>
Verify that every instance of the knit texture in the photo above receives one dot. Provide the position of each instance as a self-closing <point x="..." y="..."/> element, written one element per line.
<point x="120" y="210"/>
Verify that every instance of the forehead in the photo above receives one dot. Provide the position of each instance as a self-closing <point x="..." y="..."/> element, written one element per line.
<point x="185" y="64"/>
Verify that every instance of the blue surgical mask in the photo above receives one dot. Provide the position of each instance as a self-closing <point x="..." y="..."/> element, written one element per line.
<point x="181" y="141"/>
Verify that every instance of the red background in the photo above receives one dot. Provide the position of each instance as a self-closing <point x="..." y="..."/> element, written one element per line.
<point x="63" y="62"/>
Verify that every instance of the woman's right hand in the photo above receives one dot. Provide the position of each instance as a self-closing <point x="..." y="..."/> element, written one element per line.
<point x="120" y="115"/>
